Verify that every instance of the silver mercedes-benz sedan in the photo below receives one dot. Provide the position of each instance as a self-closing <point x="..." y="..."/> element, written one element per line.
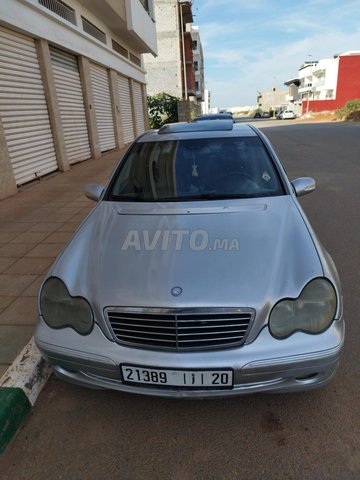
<point x="197" y="274"/>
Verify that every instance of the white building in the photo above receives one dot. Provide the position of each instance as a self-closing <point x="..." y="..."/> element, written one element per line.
<point x="318" y="80"/>
<point x="206" y="103"/>
<point x="72" y="82"/>
<point x="306" y="79"/>
<point x="198" y="63"/>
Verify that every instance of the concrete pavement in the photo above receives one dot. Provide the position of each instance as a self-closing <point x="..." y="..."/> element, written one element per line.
<point x="35" y="224"/>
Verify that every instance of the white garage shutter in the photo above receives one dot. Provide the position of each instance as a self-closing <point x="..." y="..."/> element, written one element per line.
<point x="23" y="108"/>
<point x="103" y="107"/>
<point x="71" y="105"/>
<point x="125" y="108"/>
<point x="139" y="107"/>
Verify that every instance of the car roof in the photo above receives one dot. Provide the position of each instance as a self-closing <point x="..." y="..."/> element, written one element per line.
<point x="201" y="130"/>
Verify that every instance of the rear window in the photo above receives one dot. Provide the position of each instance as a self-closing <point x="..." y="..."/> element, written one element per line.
<point x="201" y="169"/>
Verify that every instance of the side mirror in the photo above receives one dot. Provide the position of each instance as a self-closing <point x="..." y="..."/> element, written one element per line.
<point x="303" y="186"/>
<point x="94" y="191"/>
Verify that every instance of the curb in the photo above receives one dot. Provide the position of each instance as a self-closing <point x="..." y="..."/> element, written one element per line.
<point x="20" y="386"/>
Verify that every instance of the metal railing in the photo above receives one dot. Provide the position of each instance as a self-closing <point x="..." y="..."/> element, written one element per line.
<point x="60" y="9"/>
<point x="119" y="49"/>
<point x="135" y="59"/>
<point x="95" y="32"/>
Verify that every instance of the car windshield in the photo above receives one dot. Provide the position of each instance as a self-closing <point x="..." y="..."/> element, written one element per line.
<point x="201" y="169"/>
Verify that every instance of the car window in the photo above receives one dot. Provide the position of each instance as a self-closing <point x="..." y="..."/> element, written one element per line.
<point x="198" y="169"/>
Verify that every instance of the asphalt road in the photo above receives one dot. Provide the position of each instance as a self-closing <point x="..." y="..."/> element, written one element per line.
<point x="75" y="433"/>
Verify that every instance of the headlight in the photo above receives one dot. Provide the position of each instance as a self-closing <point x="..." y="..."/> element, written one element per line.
<point x="312" y="312"/>
<point x="59" y="309"/>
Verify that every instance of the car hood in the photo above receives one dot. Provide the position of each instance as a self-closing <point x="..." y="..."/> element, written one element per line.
<point x="249" y="254"/>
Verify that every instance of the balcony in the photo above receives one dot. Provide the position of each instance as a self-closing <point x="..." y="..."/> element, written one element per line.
<point x="141" y="26"/>
<point x="129" y="19"/>
<point x="319" y="83"/>
<point x="305" y="88"/>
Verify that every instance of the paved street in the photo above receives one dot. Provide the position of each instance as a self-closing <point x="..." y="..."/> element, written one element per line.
<point x="75" y="433"/>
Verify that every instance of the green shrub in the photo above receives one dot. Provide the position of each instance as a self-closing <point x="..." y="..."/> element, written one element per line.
<point x="162" y="109"/>
<point x="350" y="106"/>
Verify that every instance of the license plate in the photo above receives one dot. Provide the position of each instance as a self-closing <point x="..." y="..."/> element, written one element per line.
<point x="177" y="378"/>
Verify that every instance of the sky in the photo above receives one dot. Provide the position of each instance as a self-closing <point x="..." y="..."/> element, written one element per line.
<point x="255" y="45"/>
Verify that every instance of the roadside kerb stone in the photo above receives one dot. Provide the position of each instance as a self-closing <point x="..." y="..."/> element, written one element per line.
<point x="19" y="388"/>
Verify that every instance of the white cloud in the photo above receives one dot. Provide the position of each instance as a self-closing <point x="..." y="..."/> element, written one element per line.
<point x="239" y="85"/>
<point x="246" y="50"/>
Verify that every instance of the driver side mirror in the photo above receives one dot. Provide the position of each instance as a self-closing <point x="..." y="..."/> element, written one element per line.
<point x="94" y="191"/>
<point x="303" y="186"/>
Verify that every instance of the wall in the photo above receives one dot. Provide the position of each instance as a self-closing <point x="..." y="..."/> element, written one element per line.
<point x="34" y="21"/>
<point x="30" y="18"/>
<point x="272" y="99"/>
<point x="164" y="71"/>
<point x="189" y="60"/>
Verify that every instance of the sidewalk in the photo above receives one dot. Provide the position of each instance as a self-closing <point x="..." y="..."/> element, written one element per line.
<point x="35" y="224"/>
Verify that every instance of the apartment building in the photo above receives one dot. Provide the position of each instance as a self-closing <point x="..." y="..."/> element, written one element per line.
<point x="329" y="83"/>
<point x="178" y="68"/>
<point x="198" y="58"/>
<point x="72" y="82"/>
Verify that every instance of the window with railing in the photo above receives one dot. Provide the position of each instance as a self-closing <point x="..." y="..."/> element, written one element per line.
<point x="92" y="30"/>
<point x="119" y="49"/>
<point x="60" y="9"/>
<point x="135" y="59"/>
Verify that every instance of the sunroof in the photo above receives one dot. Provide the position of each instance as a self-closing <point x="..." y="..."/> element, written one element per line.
<point x="204" y="126"/>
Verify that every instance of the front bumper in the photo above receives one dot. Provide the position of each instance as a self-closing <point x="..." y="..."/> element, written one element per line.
<point x="300" y="362"/>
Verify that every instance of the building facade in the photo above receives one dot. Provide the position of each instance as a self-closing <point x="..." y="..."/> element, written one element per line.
<point x="72" y="82"/>
<point x="198" y="58"/>
<point x="272" y="100"/>
<point x="206" y="103"/>
<point x="178" y="69"/>
<point x="328" y="84"/>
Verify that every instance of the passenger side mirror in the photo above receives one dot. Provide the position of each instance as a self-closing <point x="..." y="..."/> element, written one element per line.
<point x="303" y="186"/>
<point x="94" y="191"/>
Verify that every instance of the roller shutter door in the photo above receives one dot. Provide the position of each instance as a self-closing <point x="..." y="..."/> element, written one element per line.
<point x="139" y="107"/>
<point x="23" y="108"/>
<point x="71" y="105"/>
<point x="103" y="107"/>
<point x="125" y="108"/>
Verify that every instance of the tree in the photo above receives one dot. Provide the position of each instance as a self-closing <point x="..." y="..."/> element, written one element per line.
<point x="162" y="109"/>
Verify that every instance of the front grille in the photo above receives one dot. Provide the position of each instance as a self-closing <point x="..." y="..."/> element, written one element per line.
<point x="180" y="329"/>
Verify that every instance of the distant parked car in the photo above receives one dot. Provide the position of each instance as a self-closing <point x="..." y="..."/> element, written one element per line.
<point x="266" y="115"/>
<point x="288" y="115"/>
<point x="278" y="114"/>
<point x="257" y="115"/>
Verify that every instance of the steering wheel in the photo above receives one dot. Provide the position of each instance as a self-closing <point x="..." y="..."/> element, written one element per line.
<point x="235" y="182"/>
